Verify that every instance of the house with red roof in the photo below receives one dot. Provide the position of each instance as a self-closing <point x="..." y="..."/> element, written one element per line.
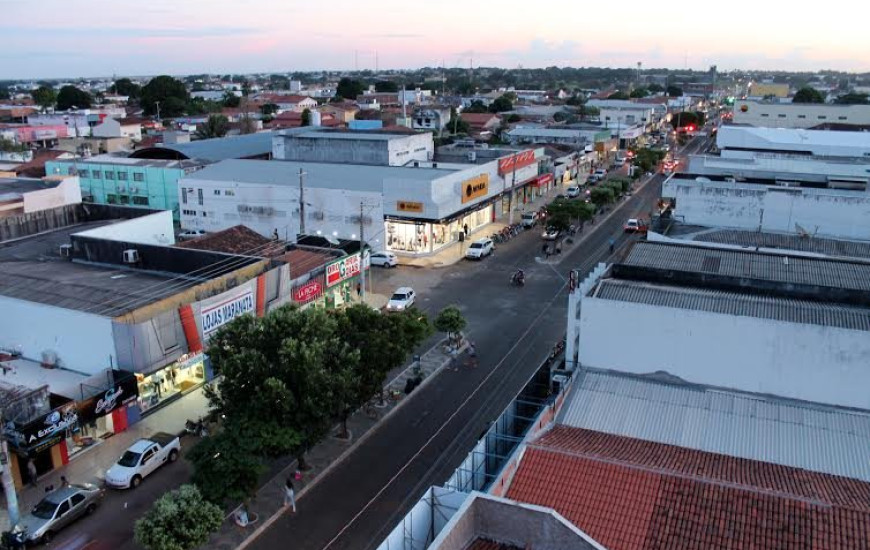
<point x="482" y="124"/>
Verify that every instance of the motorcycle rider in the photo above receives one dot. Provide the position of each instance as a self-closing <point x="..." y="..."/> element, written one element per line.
<point x="519" y="277"/>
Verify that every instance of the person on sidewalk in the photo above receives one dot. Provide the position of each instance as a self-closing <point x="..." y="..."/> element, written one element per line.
<point x="558" y="248"/>
<point x="31" y="472"/>
<point x="465" y="228"/>
<point x="290" y="494"/>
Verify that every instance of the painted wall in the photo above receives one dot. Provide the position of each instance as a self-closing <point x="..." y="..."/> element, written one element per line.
<point x="745" y="164"/>
<point x="154" y="229"/>
<point x="82" y="342"/>
<point x="395" y="152"/>
<point x="790" y="115"/>
<point x="810" y="362"/>
<point x="68" y="192"/>
<point x="825" y="212"/>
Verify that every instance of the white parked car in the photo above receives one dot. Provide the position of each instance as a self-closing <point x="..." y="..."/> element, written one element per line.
<point x="191" y="234"/>
<point x="573" y="191"/>
<point x="402" y="299"/>
<point x="383" y="259"/>
<point x="479" y="249"/>
<point x="550" y="234"/>
<point x="141" y="459"/>
<point x="530" y="219"/>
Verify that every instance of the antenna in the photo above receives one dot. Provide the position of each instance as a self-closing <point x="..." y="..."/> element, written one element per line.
<point x="376" y="61"/>
<point x="356" y="60"/>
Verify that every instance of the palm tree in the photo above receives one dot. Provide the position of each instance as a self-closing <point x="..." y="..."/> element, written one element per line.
<point x="216" y="126"/>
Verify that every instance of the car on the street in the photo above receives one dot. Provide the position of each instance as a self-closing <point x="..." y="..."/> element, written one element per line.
<point x="634" y="225"/>
<point x="573" y="191"/>
<point x="383" y="259"/>
<point x="601" y="173"/>
<point x="479" y="249"/>
<point x="58" y="509"/>
<point x="592" y="179"/>
<point x="529" y="219"/>
<point x="141" y="459"/>
<point x="550" y="234"/>
<point x="191" y="234"/>
<point x="402" y="299"/>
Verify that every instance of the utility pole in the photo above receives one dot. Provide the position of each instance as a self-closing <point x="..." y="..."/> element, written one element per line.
<point x="157" y="103"/>
<point x="362" y="254"/>
<point x="301" y="202"/>
<point x="511" y="195"/>
<point x="8" y="483"/>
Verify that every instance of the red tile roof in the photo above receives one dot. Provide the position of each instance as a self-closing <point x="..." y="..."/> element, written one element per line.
<point x="485" y="544"/>
<point x="302" y="261"/>
<point x="630" y="494"/>
<point x="239" y="239"/>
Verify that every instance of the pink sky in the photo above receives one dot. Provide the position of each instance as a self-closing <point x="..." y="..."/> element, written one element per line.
<point x="102" y="37"/>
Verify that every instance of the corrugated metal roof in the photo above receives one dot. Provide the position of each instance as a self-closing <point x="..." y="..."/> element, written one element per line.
<point x="734" y="303"/>
<point x="780" y="431"/>
<point x="233" y="147"/>
<point x="783" y="241"/>
<point x="751" y="265"/>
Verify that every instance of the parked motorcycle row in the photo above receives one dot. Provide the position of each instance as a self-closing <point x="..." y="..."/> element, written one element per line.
<point x="507" y="233"/>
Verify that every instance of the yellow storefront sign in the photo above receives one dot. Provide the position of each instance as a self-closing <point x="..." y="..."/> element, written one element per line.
<point x="475" y="187"/>
<point x="409" y="206"/>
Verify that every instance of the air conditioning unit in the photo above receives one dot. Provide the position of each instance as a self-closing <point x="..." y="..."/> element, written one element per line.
<point x="131" y="256"/>
<point x="65" y="250"/>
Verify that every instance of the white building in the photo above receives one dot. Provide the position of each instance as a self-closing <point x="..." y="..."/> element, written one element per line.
<point x="355" y="147"/>
<point x="412" y="210"/>
<point x="774" y="166"/>
<point x="125" y="127"/>
<point x="798" y="115"/>
<point x="431" y="117"/>
<point x="26" y="195"/>
<point x="548" y="135"/>
<point x="748" y="142"/>
<point x="762" y="322"/>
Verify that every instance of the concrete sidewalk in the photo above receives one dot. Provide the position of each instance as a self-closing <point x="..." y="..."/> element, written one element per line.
<point x="267" y="505"/>
<point x="90" y="465"/>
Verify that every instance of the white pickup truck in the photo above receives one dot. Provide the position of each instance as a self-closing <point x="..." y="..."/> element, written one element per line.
<point x="141" y="459"/>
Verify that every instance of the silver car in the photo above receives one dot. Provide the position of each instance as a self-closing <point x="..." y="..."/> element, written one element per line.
<point x="60" y="508"/>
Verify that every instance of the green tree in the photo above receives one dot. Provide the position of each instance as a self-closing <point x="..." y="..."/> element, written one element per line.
<point x="179" y="520"/>
<point x="228" y="464"/>
<point x="169" y="92"/>
<point x="639" y="92"/>
<point x="125" y="86"/>
<point x="476" y="106"/>
<point x="456" y="124"/>
<point x="513" y="117"/>
<point x="44" y="96"/>
<point x="853" y="99"/>
<point x="306" y="117"/>
<point x="386" y="87"/>
<point x="231" y="100"/>
<point x="4" y="93"/>
<point x="655" y="88"/>
<point x="216" y="126"/>
<point x="349" y="88"/>
<point x="576" y="100"/>
<point x="246" y="88"/>
<point x="200" y="106"/>
<point x="451" y="321"/>
<point x="808" y="94"/>
<point x="620" y="184"/>
<point x="9" y="146"/>
<point x="269" y="109"/>
<point x="618" y="95"/>
<point x="562" y="212"/>
<point x="70" y="96"/>
<point x="602" y="195"/>
<point x="686" y="118"/>
<point x="674" y="91"/>
<point x="501" y="104"/>
<point x="561" y="116"/>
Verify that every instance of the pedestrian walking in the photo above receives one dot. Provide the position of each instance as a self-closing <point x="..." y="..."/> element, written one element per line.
<point x="544" y="249"/>
<point x="465" y="228"/>
<point x="31" y="472"/>
<point x="358" y="289"/>
<point x="290" y="494"/>
<point x="64" y="482"/>
<point x="612" y="245"/>
<point x="172" y="376"/>
<point x="558" y="249"/>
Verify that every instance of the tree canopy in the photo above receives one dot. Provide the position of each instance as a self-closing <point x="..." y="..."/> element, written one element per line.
<point x="501" y="104"/>
<point x="216" y="126"/>
<point x="125" y="86"/>
<point x="44" y="96"/>
<point x="169" y="92"/>
<point x="674" y="91"/>
<point x="231" y="100"/>
<point x="386" y="86"/>
<point x="179" y="520"/>
<point x="618" y="95"/>
<point x="655" y="88"/>
<point x="853" y="99"/>
<point x="450" y="320"/>
<point x="639" y="92"/>
<point x="808" y="94"/>
<point x="306" y="117"/>
<point x="349" y="88"/>
<point x="70" y="96"/>
<point x="562" y="212"/>
<point x="476" y="106"/>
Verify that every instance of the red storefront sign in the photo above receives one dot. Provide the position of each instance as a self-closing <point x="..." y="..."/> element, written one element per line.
<point x="307" y="292"/>
<point x="515" y="162"/>
<point x="342" y="270"/>
<point x="543" y="180"/>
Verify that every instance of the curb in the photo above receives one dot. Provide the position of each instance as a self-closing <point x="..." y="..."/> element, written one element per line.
<point x="274" y="517"/>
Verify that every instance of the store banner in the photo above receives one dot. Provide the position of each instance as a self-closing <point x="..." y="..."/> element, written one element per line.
<point x="515" y="162"/>
<point x="409" y="206"/>
<point x="543" y="180"/>
<point x="342" y="270"/>
<point x="474" y="188"/>
<point x="307" y="292"/>
<point x="44" y="432"/>
<point x="122" y="392"/>
<point x="220" y="310"/>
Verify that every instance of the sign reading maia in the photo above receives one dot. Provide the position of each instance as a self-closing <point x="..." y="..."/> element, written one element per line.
<point x="476" y="187"/>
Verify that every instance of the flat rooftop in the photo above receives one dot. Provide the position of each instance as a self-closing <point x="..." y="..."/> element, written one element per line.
<point x="350" y="135"/>
<point x="30" y="374"/>
<point x="321" y="175"/>
<point x="121" y="159"/>
<point x="773" y="267"/>
<point x="14" y="188"/>
<point x="31" y="269"/>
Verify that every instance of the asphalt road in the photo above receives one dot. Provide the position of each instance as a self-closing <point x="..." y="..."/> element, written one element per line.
<point x="362" y="499"/>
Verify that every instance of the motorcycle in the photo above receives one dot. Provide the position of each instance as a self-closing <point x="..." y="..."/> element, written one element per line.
<point x="14" y="539"/>
<point x="197" y="428"/>
<point x="518" y="279"/>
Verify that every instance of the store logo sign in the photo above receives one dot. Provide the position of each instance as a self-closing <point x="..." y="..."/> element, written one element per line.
<point x="307" y="292"/>
<point x="109" y="400"/>
<point x="475" y="188"/>
<point x="408" y="206"/>
<point x="515" y="162"/>
<point x="342" y="270"/>
<point x="218" y="315"/>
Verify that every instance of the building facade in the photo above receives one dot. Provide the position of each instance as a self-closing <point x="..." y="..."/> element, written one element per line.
<point x="798" y="115"/>
<point x="356" y="147"/>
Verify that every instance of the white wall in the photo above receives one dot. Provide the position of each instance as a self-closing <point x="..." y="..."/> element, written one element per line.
<point x="273" y="207"/>
<point x="747" y="164"/>
<point x="812" y="114"/>
<point x="154" y="228"/>
<point x="83" y="342"/>
<point x="108" y="128"/>
<point x="825" y="212"/>
<point x="810" y="362"/>
<point x="67" y="192"/>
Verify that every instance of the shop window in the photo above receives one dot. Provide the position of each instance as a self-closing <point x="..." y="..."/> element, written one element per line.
<point x="140" y="201"/>
<point x="122" y="176"/>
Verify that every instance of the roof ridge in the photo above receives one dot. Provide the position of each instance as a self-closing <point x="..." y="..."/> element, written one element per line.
<point x="683" y="475"/>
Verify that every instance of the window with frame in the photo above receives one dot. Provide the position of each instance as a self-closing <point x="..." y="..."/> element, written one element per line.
<point x="217" y="191"/>
<point x="199" y="196"/>
<point x="138" y="176"/>
<point x="802" y="116"/>
<point x="842" y="118"/>
<point x="110" y="175"/>
<point x="229" y="193"/>
<point x="111" y="199"/>
<point x="781" y="116"/>
<point x="84" y="174"/>
<point x="822" y="117"/>
<point x="122" y="176"/>
<point x="62" y="509"/>
<point x="123" y="199"/>
<point x="140" y="201"/>
<point x="183" y="195"/>
<point x="96" y="174"/>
